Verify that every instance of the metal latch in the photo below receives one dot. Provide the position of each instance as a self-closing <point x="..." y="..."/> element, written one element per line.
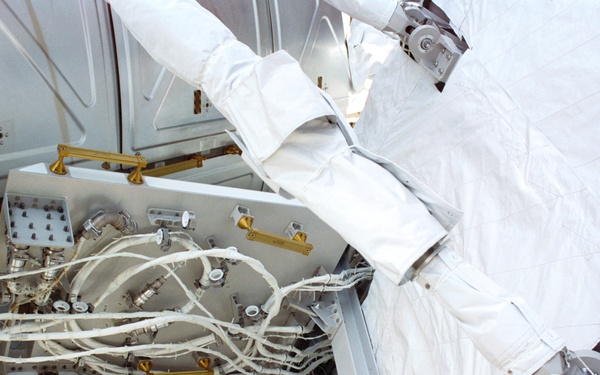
<point x="297" y="241"/>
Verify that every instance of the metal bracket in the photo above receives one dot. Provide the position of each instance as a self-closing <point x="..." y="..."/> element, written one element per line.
<point x="172" y="218"/>
<point x="328" y="317"/>
<point x="242" y="218"/>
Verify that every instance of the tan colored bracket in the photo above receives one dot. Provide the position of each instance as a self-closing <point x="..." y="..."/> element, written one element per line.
<point x="296" y="244"/>
<point x="203" y="363"/>
<point x="195" y="161"/>
<point x="64" y="151"/>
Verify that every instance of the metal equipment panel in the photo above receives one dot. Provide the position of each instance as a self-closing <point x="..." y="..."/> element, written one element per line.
<point x="313" y="33"/>
<point x="58" y="80"/>
<point x="164" y="203"/>
<point x="164" y="117"/>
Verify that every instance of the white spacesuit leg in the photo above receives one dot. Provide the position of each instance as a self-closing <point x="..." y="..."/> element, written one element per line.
<point x="290" y="132"/>
<point x="501" y="325"/>
<point x="376" y="13"/>
<point x="292" y="137"/>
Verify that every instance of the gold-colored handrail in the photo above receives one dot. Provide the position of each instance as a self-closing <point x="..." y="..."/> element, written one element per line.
<point x="297" y="243"/>
<point x="203" y="363"/>
<point x="195" y="161"/>
<point x="64" y="151"/>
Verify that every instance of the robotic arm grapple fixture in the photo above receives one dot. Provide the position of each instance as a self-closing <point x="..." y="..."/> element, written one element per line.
<point x="428" y="37"/>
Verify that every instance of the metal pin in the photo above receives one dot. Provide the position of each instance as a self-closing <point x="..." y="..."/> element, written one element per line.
<point x="69" y="239"/>
<point x="16" y="234"/>
<point x="24" y="214"/>
<point x="60" y="209"/>
<point x="66" y="228"/>
<point x="12" y="224"/>
<point x="30" y="225"/>
<point x="22" y="205"/>
<point x="63" y="217"/>
<point x="51" y="237"/>
<point x="48" y="227"/>
<point x="33" y="236"/>
<point x="46" y="208"/>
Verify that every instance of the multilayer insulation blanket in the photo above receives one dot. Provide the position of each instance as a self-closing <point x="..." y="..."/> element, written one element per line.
<point x="512" y="141"/>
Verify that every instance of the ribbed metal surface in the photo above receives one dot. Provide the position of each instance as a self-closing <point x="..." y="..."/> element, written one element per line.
<point x="313" y="33"/>
<point x="58" y="80"/>
<point x="162" y="115"/>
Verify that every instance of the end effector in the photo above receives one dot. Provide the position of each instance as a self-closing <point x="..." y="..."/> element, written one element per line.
<point x="428" y="38"/>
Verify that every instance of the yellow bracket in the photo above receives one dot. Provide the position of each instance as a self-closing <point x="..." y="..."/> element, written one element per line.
<point x="64" y="151"/>
<point x="296" y="244"/>
<point x="203" y="363"/>
<point x="195" y="161"/>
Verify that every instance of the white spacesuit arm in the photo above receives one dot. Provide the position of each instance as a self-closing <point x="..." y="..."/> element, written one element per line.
<point x="289" y="130"/>
<point x="376" y="13"/>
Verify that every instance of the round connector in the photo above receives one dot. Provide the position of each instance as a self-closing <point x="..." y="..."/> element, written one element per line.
<point x="252" y="312"/>
<point x="216" y="275"/>
<point x="61" y="306"/>
<point x="80" y="307"/>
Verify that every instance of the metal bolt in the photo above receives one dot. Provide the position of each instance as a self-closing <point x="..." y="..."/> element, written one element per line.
<point x="30" y="225"/>
<point x="426" y="43"/>
<point x="69" y="239"/>
<point x="427" y="286"/>
<point x="33" y="236"/>
<point x="60" y="209"/>
<point x="49" y="216"/>
<point x="46" y="208"/>
<point x="436" y="64"/>
<point x="22" y="205"/>
<point x="448" y="56"/>
<point x="441" y="70"/>
<point x="51" y="237"/>
<point x="16" y="234"/>
<point x="443" y="49"/>
<point x="66" y="228"/>
<point x="12" y="224"/>
<point x="63" y="218"/>
<point x="24" y="214"/>
<point x="48" y="227"/>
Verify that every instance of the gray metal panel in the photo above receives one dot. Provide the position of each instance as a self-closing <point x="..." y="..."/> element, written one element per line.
<point x="158" y="108"/>
<point x="312" y="32"/>
<point x="58" y="80"/>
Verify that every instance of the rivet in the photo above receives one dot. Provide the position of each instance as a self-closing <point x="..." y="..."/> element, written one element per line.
<point x="30" y="225"/>
<point x="66" y="228"/>
<point x="49" y="216"/>
<point x="33" y="236"/>
<point x="24" y="214"/>
<point x="427" y="286"/>
<point x="48" y="227"/>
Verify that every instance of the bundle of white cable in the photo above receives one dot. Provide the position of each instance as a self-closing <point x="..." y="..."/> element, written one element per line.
<point x="244" y="361"/>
